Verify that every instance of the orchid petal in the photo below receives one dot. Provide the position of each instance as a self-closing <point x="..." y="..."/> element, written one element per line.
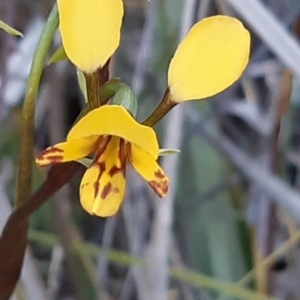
<point x="103" y="184"/>
<point x="211" y="57"/>
<point x="67" y="151"/>
<point x="148" y="168"/>
<point x="90" y="31"/>
<point x="116" y="121"/>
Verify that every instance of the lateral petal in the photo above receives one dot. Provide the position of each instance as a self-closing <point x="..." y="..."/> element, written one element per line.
<point x="103" y="184"/>
<point x="148" y="168"/>
<point x="116" y="120"/>
<point x="211" y="57"/>
<point x="90" y="31"/>
<point x="67" y="151"/>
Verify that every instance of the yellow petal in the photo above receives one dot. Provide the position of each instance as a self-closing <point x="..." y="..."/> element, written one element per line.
<point x="116" y="120"/>
<point x="102" y="186"/>
<point x="90" y="30"/>
<point x="147" y="167"/>
<point x="67" y="151"/>
<point x="211" y="57"/>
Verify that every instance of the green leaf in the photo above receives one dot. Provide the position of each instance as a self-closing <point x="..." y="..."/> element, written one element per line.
<point x="82" y="84"/>
<point x="125" y="97"/>
<point x="57" y="56"/>
<point x="165" y="152"/>
<point x="85" y="161"/>
<point x="9" y="29"/>
<point x="109" y="89"/>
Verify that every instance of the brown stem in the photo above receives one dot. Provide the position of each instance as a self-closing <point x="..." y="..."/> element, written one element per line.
<point x="161" y="110"/>
<point x="104" y="77"/>
<point x="92" y="88"/>
<point x="93" y="83"/>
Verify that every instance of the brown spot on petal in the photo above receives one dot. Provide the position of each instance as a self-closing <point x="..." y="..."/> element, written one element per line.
<point x="51" y="155"/>
<point x="51" y="150"/>
<point x="102" y="143"/>
<point x="122" y="151"/>
<point x="159" y="187"/>
<point x="101" y="167"/>
<point x="122" y="158"/>
<point x="159" y="174"/>
<point x="54" y="159"/>
<point x="84" y="185"/>
<point x="106" y="190"/>
<point x="101" y="191"/>
<point x="115" y="170"/>
<point x="116" y="190"/>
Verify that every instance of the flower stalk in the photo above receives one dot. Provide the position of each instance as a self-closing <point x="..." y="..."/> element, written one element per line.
<point x="12" y="246"/>
<point x="161" y="110"/>
<point x="23" y="185"/>
<point x="92" y="88"/>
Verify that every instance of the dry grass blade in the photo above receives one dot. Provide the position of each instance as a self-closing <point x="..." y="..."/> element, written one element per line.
<point x="264" y="23"/>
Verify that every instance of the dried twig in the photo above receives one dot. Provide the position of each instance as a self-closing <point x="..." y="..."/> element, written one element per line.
<point x="158" y="251"/>
<point x="269" y="184"/>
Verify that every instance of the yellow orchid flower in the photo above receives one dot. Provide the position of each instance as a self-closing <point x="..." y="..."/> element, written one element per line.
<point x="210" y="58"/>
<point x="115" y="137"/>
<point x="90" y="31"/>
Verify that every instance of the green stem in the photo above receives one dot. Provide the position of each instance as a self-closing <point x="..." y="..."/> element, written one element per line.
<point x="161" y="110"/>
<point x="12" y="246"/>
<point x="23" y="184"/>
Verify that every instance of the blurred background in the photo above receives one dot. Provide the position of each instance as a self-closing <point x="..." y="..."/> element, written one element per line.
<point x="228" y="228"/>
